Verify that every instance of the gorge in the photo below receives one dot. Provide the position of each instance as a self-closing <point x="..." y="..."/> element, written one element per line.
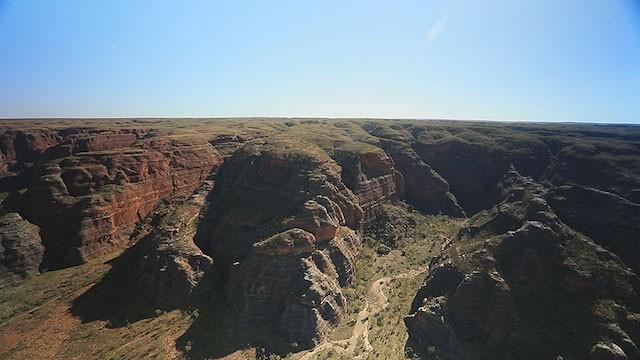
<point x="319" y="238"/>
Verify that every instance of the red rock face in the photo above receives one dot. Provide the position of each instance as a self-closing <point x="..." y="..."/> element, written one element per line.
<point x="18" y="146"/>
<point x="424" y="188"/>
<point x="372" y="177"/>
<point x="87" y="204"/>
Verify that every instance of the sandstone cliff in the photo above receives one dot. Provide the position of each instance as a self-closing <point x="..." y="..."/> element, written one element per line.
<point x="266" y="188"/>
<point x="288" y="288"/>
<point x="282" y="234"/>
<point x="371" y="174"/>
<point x="87" y="203"/>
<point x="608" y="219"/>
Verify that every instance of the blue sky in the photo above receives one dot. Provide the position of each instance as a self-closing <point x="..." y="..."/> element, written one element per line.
<point x="572" y="60"/>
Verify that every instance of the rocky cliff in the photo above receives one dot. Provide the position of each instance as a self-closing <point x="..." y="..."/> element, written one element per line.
<point x="266" y="188"/>
<point x="169" y="266"/>
<point x="21" y="249"/>
<point x="288" y="287"/>
<point x="608" y="219"/>
<point x="282" y="234"/>
<point x="371" y="174"/>
<point x="87" y="203"/>
<point x="519" y="283"/>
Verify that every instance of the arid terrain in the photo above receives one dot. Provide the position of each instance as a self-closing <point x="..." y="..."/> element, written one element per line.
<point x="265" y="238"/>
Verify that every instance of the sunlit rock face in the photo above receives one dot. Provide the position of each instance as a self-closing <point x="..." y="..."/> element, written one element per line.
<point x="87" y="204"/>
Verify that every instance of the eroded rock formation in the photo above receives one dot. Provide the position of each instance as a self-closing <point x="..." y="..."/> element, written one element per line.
<point x="88" y="203"/>
<point x="282" y="233"/>
<point x="371" y="174"/>
<point x="519" y="283"/>
<point x="608" y="219"/>
<point x="266" y="188"/>
<point x="21" y="249"/>
<point x="169" y="266"/>
<point x="288" y="286"/>
<point x="425" y="189"/>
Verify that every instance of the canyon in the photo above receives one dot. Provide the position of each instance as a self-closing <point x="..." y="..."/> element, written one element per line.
<point x="255" y="236"/>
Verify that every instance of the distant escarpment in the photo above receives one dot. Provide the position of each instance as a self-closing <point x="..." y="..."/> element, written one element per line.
<point x="519" y="283"/>
<point x="19" y="148"/>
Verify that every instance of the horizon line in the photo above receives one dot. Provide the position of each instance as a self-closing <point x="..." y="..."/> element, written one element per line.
<point x="310" y="118"/>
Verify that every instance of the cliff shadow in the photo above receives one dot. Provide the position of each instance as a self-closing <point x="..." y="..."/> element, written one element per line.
<point x="414" y="350"/>
<point x="215" y="331"/>
<point x="113" y="299"/>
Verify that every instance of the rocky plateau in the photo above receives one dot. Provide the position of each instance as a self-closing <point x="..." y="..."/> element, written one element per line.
<point x="271" y="217"/>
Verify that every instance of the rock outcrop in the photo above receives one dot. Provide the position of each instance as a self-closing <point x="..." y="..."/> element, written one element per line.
<point x="18" y="147"/>
<point x="519" y="284"/>
<point x="288" y="287"/>
<point x="372" y="176"/>
<point x="169" y="266"/>
<point x="21" y="249"/>
<point x="472" y="170"/>
<point x="473" y="159"/>
<point x="610" y="220"/>
<point x="88" y="203"/>
<point x="283" y="236"/>
<point x="24" y="146"/>
<point x="424" y="188"/>
<point x="267" y="188"/>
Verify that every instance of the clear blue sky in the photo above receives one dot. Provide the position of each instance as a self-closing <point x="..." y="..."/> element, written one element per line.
<point x="574" y="60"/>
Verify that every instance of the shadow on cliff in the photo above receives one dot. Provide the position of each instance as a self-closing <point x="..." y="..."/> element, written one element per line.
<point x="214" y="332"/>
<point x="413" y="350"/>
<point x="114" y="298"/>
